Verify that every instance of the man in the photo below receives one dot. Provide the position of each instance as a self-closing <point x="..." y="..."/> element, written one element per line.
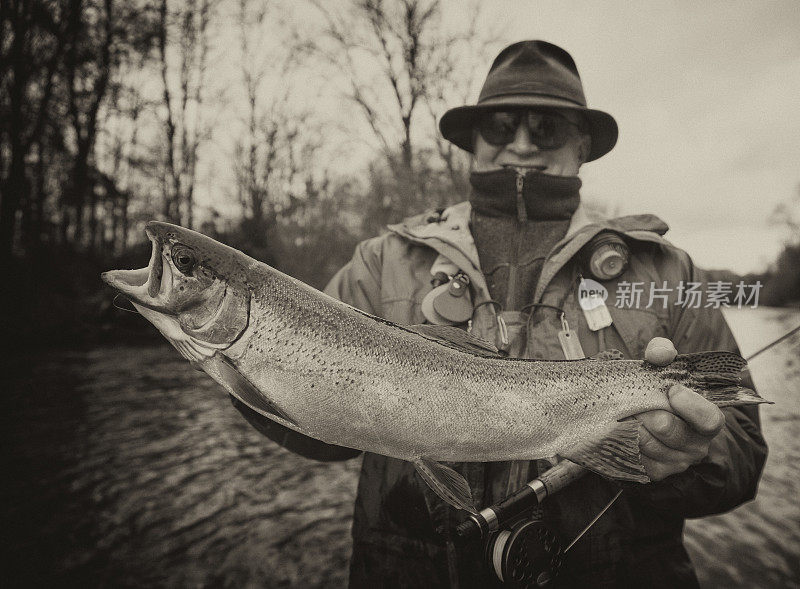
<point x="522" y="241"/>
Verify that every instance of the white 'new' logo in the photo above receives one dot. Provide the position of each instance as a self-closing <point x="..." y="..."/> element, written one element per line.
<point x="591" y="294"/>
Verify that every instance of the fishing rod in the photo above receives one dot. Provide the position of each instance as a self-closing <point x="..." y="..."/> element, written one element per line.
<point x="525" y="551"/>
<point x="530" y="495"/>
<point x="785" y="336"/>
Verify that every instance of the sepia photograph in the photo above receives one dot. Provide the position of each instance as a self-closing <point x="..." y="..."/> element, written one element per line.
<point x="400" y="293"/>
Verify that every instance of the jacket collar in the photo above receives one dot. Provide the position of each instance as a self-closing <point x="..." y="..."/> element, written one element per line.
<point x="453" y="227"/>
<point x="451" y="237"/>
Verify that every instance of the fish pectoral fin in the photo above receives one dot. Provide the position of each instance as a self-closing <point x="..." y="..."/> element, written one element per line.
<point x="614" y="456"/>
<point x="611" y="354"/>
<point x="446" y="483"/>
<point x="453" y="337"/>
<point x="241" y="388"/>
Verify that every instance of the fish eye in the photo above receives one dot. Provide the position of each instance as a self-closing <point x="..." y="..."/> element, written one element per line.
<point x="183" y="258"/>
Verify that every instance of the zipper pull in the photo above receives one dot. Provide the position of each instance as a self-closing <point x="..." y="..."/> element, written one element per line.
<point x="522" y="214"/>
<point x="570" y="344"/>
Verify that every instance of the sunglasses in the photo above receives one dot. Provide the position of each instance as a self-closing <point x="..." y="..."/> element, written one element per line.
<point x="547" y="130"/>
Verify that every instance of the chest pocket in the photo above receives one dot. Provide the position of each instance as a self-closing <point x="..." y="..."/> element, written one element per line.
<point x="632" y="330"/>
<point x="405" y="284"/>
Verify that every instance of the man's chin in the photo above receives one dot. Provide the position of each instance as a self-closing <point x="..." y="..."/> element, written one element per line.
<point x="519" y="167"/>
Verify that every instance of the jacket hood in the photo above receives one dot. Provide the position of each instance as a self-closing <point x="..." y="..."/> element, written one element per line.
<point x="453" y="226"/>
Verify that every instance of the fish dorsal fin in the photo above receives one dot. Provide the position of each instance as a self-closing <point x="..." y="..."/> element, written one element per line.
<point x="614" y="455"/>
<point x="446" y="483"/>
<point x="456" y="338"/>
<point x="608" y="355"/>
<point x="241" y="388"/>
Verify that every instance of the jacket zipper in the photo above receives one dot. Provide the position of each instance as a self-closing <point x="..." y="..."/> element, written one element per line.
<point x="522" y="214"/>
<point x="522" y="217"/>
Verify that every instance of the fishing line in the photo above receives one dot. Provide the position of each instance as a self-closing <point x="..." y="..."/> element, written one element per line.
<point x="591" y="523"/>
<point x="777" y="341"/>
<point x="114" y="302"/>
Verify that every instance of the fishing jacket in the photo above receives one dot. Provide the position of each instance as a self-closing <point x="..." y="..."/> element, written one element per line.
<point x="403" y="534"/>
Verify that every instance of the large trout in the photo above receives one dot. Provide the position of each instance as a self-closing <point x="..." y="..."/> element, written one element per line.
<point x="419" y="393"/>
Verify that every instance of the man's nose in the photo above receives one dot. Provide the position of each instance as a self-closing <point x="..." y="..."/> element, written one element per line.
<point x="522" y="144"/>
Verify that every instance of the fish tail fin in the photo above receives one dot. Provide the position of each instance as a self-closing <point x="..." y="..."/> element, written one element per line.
<point x="717" y="376"/>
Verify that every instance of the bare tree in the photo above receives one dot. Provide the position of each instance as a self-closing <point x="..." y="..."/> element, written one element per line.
<point x="33" y="43"/>
<point x="88" y="68"/>
<point x="401" y="68"/>
<point x="184" y="127"/>
<point x="395" y="39"/>
<point x="455" y="80"/>
<point x="117" y="155"/>
<point x="272" y="157"/>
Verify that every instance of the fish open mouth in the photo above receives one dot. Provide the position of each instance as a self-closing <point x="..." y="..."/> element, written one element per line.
<point x="147" y="286"/>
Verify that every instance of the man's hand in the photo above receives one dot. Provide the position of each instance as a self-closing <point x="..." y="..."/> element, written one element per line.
<point x="670" y="442"/>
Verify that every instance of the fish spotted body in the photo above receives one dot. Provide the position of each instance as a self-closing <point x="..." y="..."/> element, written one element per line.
<point x="419" y="393"/>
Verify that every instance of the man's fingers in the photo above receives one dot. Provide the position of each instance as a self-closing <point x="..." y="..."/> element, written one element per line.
<point x="660" y="351"/>
<point x="669" y="429"/>
<point x="671" y="441"/>
<point x="703" y="416"/>
<point x="654" y="449"/>
<point x="660" y="470"/>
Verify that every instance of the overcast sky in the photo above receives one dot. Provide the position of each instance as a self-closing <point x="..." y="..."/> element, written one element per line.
<point x="707" y="98"/>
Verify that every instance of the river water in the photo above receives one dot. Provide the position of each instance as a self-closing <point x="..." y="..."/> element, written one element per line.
<point x="126" y="468"/>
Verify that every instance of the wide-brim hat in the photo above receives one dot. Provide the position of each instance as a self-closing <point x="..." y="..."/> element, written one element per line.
<point x="533" y="74"/>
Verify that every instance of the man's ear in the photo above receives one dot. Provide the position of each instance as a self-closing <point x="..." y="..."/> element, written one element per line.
<point x="585" y="148"/>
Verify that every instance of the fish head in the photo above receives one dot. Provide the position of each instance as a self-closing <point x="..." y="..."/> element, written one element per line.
<point x="194" y="290"/>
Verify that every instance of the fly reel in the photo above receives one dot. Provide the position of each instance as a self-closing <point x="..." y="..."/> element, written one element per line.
<point x="525" y="556"/>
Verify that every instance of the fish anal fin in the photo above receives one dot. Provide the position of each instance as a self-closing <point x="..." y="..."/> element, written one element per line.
<point x="241" y="388"/>
<point x="454" y="337"/>
<point x="446" y="483"/>
<point x="615" y="455"/>
<point x="608" y="355"/>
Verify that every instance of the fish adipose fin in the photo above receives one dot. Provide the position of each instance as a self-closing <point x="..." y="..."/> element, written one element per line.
<point x="608" y="355"/>
<point x="446" y="483"/>
<point x="615" y="456"/>
<point x="717" y="376"/>
<point x="456" y="338"/>
<point x="245" y="391"/>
